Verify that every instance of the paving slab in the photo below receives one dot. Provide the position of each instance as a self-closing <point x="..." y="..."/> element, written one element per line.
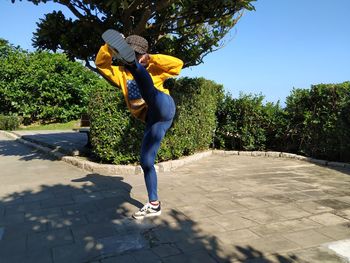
<point x="232" y="237"/>
<point x="262" y="216"/>
<point x="145" y="256"/>
<point x="30" y="256"/>
<point x="288" y="226"/>
<point x="49" y="239"/>
<point x="328" y="219"/>
<point x="337" y="232"/>
<point x="233" y="221"/>
<point x="166" y="250"/>
<point x="307" y="238"/>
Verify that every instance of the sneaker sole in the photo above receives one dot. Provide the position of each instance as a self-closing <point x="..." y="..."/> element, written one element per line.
<point x="115" y="40"/>
<point x="148" y="215"/>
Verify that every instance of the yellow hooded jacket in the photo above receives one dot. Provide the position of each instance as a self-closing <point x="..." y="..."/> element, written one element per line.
<point x="161" y="67"/>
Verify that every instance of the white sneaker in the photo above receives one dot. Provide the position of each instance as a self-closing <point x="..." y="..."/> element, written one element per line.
<point x="148" y="210"/>
<point x="116" y="41"/>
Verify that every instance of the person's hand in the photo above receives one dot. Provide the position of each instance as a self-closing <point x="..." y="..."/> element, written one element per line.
<point x="144" y="59"/>
<point x="112" y="51"/>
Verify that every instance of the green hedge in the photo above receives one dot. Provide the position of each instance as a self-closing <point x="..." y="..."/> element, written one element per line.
<point x="9" y="122"/>
<point x="116" y="136"/>
<point x="315" y="122"/>
<point x="197" y="100"/>
<point x="246" y="123"/>
<point x="41" y="86"/>
<point x="319" y="121"/>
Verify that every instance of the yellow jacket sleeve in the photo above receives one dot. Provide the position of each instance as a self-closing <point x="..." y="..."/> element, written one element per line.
<point x="168" y="65"/>
<point x="103" y="63"/>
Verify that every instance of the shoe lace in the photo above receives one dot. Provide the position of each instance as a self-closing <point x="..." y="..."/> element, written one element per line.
<point x="145" y="207"/>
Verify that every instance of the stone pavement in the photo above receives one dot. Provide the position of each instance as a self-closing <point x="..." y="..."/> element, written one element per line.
<point x="224" y="208"/>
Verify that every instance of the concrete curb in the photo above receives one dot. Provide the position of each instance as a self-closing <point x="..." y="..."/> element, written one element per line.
<point x="110" y="169"/>
<point x="284" y="155"/>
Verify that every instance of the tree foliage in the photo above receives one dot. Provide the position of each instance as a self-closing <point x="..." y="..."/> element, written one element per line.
<point x="188" y="29"/>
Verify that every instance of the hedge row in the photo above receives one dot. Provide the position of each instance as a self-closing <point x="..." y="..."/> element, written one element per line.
<point x="319" y="121"/>
<point x="9" y="122"/>
<point x="116" y="135"/>
<point x="246" y="123"/>
<point x="315" y="122"/>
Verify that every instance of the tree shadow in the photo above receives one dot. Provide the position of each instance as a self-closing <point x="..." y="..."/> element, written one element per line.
<point x="89" y="220"/>
<point x="68" y="143"/>
<point x="343" y="170"/>
<point x="15" y="148"/>
<point x="252" y="255"/>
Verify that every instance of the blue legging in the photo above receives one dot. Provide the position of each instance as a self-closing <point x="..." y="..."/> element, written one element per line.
<point x="160" y="114"/>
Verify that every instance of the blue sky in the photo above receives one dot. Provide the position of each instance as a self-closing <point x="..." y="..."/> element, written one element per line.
<point x="281" y="45"/>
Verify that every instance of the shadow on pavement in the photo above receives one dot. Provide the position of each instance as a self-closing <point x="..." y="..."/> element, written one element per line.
<point x="90" y="221"/>
<point x="338" y="169"/>
<point x="15" y="148"/>
<point x="70" y="142"/>
<point x="56" y="142"/>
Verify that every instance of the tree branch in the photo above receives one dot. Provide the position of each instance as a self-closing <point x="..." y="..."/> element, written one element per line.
<point x="85" y="9"/>
<point x="133" y="6"/>
<point x="161" y="5"/>
<point x="72" y="8"/>
<point x="149" y="10"/>
<point x="127" y="15"/>
<point x="196" y="21"/>
<point x="141" y="25"/>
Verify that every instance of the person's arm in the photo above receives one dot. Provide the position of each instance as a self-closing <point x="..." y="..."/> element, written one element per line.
<point x="171" y="66"/>
<point x="103" y="63"/>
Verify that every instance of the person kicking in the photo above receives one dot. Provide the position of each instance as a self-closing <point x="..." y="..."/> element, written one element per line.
<point x="141" y="77"/>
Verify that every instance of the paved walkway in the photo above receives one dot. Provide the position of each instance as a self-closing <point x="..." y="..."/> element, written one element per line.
<point x="218" y="209"/>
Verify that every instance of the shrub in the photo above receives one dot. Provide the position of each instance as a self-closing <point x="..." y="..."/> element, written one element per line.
<point x="116" y="136"/>
<point x="44" y="87"/>
<point x="9" y="122"/>
<point x="194" y="125"/>
<point x="240" y="123"/>
<point x="319" y="122"/>
<point x="275" y="127"/>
